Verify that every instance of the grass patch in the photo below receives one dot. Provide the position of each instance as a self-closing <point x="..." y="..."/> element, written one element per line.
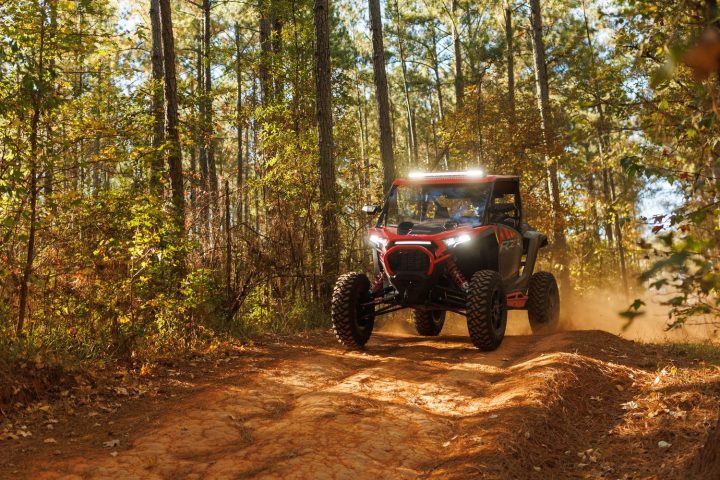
<point x="708" y="352"/>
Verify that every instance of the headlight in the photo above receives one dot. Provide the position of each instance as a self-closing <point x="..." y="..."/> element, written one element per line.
<point x="453" y="241"/>
<point x="378" y="242"/>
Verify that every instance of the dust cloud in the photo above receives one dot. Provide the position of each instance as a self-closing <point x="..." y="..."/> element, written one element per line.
<point x="593" y="310"/>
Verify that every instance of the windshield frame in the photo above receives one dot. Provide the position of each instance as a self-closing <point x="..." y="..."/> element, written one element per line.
<point x="382" y="219"/>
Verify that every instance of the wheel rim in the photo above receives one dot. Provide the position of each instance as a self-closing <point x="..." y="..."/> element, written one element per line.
<point x="496" y="310"/>
<point x="437" y="318"/>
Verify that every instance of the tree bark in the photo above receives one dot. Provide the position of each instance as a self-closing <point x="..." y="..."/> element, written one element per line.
<point x="30" y="253"/>
<point x="37" y="102"/>
<point x="239" y="122"/>
<point x="265" y="54"/>
<point x="509" y="39"/>
<point x="360" y="96"/>
<point x="381" y="95"/>
<point x="228" y="245"/>
<point x="329" y="244"/>
<point x="441" y="104"/>
<point x="436" y="72"/>
<point x="199" y="128"/>
<point x="543" y="97"/>
<point x="277" y="46"/>
<point x="412" y="150"/>
<point x="172" y="134"/>
<point x="156" y="165"/>
<point x="457" y="46"/>
<point x="208" y="127"/>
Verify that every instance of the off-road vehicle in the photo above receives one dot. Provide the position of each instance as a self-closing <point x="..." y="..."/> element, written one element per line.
<point x="453" y="242"/>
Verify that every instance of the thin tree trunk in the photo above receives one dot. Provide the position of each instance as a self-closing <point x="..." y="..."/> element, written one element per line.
<point x="208" y="127"/>
<point x="265" y="54"/>
<point x="457" y="46"/>
<point x="543" y="97"/>
<point x="30" y="256"/>
<point x="277" y="46"/>
<point x="509" y="39"/>
<point x="203" y="199"/>
<point x="381" y="95"/>
<point x="202" y="151"/>
<point x="238" y="122"/>
<point x="478" y="114"/>
<point x="441" y="104"/>
<point x="329" y="245"/>
<point x="172" y="134"/>
<point x="412" y="150"/>
<point x="360" y="97"/>
<point x="156" y="164"/>
<point x="228" y="245"/>
<point x="436" y="72"/>
<point x="33" y="190"/>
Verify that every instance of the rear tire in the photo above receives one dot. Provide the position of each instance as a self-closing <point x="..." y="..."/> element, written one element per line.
<point x="428" y="323"/>
<point x="352" y="323"/>
<point x="543" y="304"/>
<point x="486" y="310"/>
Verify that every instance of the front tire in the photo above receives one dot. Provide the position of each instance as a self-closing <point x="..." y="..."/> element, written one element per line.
<point x="428" y="323"/>
<point x="352" y="322"/>
<point x="543" y="304"/>
<point x="486" y="310"/>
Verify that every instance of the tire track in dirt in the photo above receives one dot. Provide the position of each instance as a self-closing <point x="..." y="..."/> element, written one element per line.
<point x="406" y="407"/>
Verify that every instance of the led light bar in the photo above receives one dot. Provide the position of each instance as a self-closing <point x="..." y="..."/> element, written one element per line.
<point x="413" y="242"/>
<point x="467" y="173"/>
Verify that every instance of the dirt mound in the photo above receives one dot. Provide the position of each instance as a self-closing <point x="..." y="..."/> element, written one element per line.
<point x="569" y="405"/>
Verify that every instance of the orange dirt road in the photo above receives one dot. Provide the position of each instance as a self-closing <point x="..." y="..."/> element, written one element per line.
<point x="583" y="405"/>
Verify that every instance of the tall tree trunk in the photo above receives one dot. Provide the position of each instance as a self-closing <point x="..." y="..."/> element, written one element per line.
<point x="208" y="127"/>
<point x="381" y="95"/>
<point x="478" y="115"/>
<point x="200" y="132"/>
<point x="33" y="192"/>
<point x="172" y="134"/>
<point x="37" y="103"/>
<point x="239" y="122"/>
<point x="329" y="244"/>
<point x="412" y="150"/>
<point x="277" y="46"/>
<point x="509" y="40"/>
<point x="265" y="53"/>
<point x="203" y="199"/>
<point x="457" y="46"/>
<point x="441" y="104"/>
<point x="360" y="98"/>
<point x="436" y="72"/>
<point x="543" y="97"/>
<point x="228" y="245"/>
<point x="156" y="165"/>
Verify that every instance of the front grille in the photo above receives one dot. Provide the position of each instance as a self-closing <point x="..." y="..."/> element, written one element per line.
<point x="410" y="261"/>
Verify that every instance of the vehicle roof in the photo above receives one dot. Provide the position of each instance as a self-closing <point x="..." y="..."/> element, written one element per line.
<point x="454" y="179"/>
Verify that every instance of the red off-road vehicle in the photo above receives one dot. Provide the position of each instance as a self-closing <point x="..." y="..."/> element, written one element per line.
<point x="453" y="242"/>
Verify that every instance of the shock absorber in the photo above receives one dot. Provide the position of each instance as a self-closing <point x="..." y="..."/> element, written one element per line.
<point x="377" y="283"/>
<point x="457" y="275"/>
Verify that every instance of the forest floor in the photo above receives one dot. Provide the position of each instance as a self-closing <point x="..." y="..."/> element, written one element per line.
<point x="583" y="404"/>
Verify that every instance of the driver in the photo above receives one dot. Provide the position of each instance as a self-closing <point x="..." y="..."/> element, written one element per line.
<point x="462" y="209"/>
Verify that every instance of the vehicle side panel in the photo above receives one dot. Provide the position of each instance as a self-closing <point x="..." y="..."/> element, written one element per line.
<point x="510" y="252"/>
<point x="481" y="253"/>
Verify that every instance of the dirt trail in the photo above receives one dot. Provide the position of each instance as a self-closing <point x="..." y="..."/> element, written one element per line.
<point x="406" y="407"/>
